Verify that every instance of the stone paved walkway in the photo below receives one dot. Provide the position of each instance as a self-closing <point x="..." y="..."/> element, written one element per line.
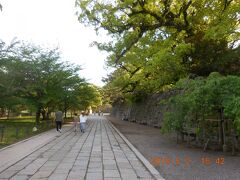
<point x="99" y="153"/>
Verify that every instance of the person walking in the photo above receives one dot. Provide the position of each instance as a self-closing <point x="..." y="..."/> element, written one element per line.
<point x="83" y="119"/>
<point x="59" y="119"/>
<point x="75" y="121"/>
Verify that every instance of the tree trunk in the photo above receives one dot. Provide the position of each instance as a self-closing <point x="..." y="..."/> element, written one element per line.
<point x="8" y="113"/>
<point x="224" y="146"/>
<point x="48" y="115"/>
<point x="65" y="109"/>
<point x="1" y="112"/>
<point x="38" y="113"/>
<point x="43" y="114"/>
<point x="220" y="127"/>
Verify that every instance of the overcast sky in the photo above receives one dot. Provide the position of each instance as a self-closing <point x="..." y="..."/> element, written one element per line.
<point x="52" y="23"/>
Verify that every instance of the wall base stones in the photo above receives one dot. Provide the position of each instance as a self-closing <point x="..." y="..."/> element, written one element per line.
<point x="149" y="110"/>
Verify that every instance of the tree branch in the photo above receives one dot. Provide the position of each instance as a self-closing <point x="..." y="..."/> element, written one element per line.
<point x="118" y="57"/>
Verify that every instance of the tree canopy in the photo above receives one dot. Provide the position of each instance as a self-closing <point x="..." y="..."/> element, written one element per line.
<point x="155" y="43"/>
<point x="39" y="80"/>
<point x="184" y="46"/>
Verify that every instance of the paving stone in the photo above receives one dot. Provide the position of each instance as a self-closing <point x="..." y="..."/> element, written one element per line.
<point x="98" y="152"/>
<point x="110" y="166"/>
<point x="41" y="174"/>
<point x="143" y="174"/>
<point x="59" y="176"/>
<point x="95" y="165"/>
<point x="30" y="170"/>
<point x="81" y="163"/>
<point x="94" y="176"/>
<point x="76" y="174"/>
<point x="84" y="154"/>
<point x="7" y="174"/>
<point x="20" y="177"/>
<point x="47" y="168"/>
<point x="108" y="157"/>
<point x="65" y="166"/>
<point x="128" y="173"/>
<point x="129" y="177"/>
<point x="139" y="168"/>
<point x="15" y="168"/>
<point x="124" y="165"/>
<point x="24" y="162"/>
<point x="94" y="170"/>
<point x="74" y="178"/>
<point x="69" y="160"/>
<point x="51" y="163"/>
<point x="40" y="161"/>
<point x="95" y="159"/>
<point x="111" y="173"/>
<point x="77" y="167"/>
<point x="109" y="161"/>
<point x="136" y="163"/>
<point x="61" y="171"/>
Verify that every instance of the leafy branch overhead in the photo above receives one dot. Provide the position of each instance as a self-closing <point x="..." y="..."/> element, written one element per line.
<point x="165" y="40"/>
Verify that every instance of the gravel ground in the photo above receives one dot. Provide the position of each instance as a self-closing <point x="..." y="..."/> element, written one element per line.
<point x="177" y="161"/>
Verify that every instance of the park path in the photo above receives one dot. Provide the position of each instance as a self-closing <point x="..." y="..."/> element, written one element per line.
<point x="102" y="152"/>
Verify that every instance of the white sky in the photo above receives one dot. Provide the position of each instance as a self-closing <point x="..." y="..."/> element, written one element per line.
<point x="53" y="23"/>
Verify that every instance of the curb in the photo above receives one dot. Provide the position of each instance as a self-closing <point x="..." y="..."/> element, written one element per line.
<point x="145" y="162"/>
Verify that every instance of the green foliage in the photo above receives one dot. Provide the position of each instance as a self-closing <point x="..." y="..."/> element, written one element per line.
<point x="38" y="79"/>
<point x="156" y="43"/>
<point x="203" y="97"/>
<point x="89" y="95"/>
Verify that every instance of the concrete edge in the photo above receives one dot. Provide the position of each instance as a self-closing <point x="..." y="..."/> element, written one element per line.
<point x="146" y="163"/>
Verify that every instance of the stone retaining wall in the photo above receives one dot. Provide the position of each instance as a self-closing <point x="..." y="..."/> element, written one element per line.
<point x="147" y="111"/>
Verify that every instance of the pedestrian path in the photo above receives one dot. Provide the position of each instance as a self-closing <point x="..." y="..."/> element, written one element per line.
<point x="99" y="153"/>
<point x="11" y="154"/>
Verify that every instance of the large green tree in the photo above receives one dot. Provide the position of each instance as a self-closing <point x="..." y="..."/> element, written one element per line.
<point x="154" y="43"/>
<point x="11" y="77"/>
<point x="38" y="79"/>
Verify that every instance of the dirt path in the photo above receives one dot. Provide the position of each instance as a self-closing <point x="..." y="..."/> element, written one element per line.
<point x="176" y="161"/>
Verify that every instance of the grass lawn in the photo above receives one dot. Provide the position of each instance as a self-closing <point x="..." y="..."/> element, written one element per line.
<point x="16" y="129"/>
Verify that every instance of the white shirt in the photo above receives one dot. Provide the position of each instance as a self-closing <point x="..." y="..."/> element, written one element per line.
<point x="83" y="119"/>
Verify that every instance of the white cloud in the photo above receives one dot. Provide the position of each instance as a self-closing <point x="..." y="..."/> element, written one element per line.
<point x="53" y="23"/>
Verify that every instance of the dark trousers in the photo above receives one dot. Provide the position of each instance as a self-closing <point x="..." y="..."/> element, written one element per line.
<point x="58" y="125"/>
